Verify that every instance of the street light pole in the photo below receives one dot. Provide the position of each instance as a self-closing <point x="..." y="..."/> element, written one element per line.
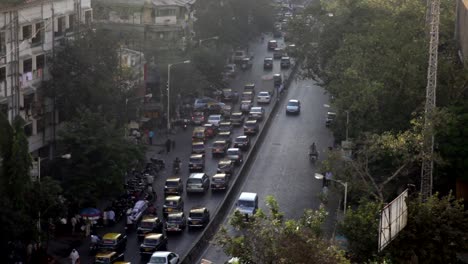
<point x="169" y="91"/>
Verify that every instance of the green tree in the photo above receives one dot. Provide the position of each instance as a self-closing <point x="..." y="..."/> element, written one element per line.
<point x="269" y="238"/>
<point x="100" y="157"/>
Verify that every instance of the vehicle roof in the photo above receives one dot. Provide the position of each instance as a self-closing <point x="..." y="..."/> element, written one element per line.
<point x="172" y="179"/>
<point x="273" y="40"/>
<point x="198" y="156"/>
<point x="233" y="149"/>
<point x="225" y="161"/>
<point x="277" y="74"/>
<point x="293" y="100"/>
<point x="220" y="175"/>
<point x="161" y="254"/>
<point x="285" y="58"/>
<point x="149" y="218"/>
<point x="217" y="116"/>
<point x="249" y="85"/>
<point x="105" y="254"/>
<point x="268" y="58"/>
<point x="227" y="89"/>
<point x="237" y="114"/>
<point x="246" y="102"/>
<point x="219" y="142"/>
<point x="208" y="125"/>
<point x="225" y="123"/>
<point x="197" y="209"/>
<point x="176" y="214"/>
<point x="198" y="175"/>
<point x="153" y="235"/>
<point x="331" y="113"/>
<point x="251" y="121"/>
<point x="224" y="133"/>
<point x="256" y="108"/>
<point x="173" y="198"/>
<point x="264" y="92"/>
<point x="111" y="236"/>
<point x="198" y="143"/>
<point x="247" y="92"/>
<point x="248" y="196"/>
<point x="244" y="136"/>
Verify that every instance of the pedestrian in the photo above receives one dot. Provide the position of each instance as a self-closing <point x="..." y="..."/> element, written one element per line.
<point x="111" y="216"/>
<point x="168" y="145"/>
<point x="73" y="223"/>
<point x="105" y="217"/>
<point x="74" y="257"/>
<point x="150" y="137"/>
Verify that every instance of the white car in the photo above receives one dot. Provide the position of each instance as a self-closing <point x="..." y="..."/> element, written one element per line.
<point x="164" y="257"/>
<point x="215" y="120"/>
<point x="264" y="97"/>
<point x="293" y="107"/>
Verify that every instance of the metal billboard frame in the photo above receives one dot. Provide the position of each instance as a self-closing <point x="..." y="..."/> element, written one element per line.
<point x="393" y="219"/>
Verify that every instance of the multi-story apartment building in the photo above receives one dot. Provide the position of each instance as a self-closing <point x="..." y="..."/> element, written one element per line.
<point x="30" y="32"/>
<point x="148" y="25"/>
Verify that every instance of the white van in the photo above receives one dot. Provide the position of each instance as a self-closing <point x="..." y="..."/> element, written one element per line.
<point x="247" y="204"/>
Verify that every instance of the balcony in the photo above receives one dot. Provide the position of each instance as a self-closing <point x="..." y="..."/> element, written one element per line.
<point x="30" y="80"/>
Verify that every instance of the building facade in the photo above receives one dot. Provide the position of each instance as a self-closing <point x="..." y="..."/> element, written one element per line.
<point x="30" y="31"/>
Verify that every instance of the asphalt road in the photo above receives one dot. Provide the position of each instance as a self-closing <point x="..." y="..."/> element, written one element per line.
<point x="282" y="168"/>
<point x="181" y="243"/>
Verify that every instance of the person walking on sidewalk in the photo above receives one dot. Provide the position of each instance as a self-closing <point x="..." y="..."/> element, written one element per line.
<point x="150" y="137"/>
<point x="168" y="145"/>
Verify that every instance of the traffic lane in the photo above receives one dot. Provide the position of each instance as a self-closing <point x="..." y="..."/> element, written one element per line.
<point x="281" y="167"/>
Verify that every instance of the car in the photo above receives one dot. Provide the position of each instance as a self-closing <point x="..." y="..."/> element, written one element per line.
<point x="176" y="222"/>
<point x="239" y="55"/>
<point x="249" y="87"/>
<point x="198" y="117"/>
<point x="210" y="130"/>
<point x="108" y="257"/>
<point x="247" y="96"/>
<point x="277" y="53"/>
<point x="173" y="186"/>
<point x="264" y="97"/>
<point x="235" y="154"/>
<point x="164" y="257"/>
<point x="201" y="103"/>
<point x="330" y="117"/>
<point x="173" y="204"/>
<point x="198" y="134"/>
<point x="196" y="162"/>
<point x="198" y="147"/>
<point x="220" y="181"/>
<point x="245" y="106"/>
<point x="277" y="79"/>
<point x="228" y="95"/>
<point x="149" y="224"/>
<point x="215" y="119"/>
<point x="226" y="136"/>
<point x="230" y="70"/>
<point x="225" y="166"/>
<point x="198" y="217"/>
<point x="197" y="182"/>
<point x="272" y="44"/>
<point x="268" y="63"/>
<point x="219" y="148"/>
<point x="293" y="107"/>
<point x="237" y="118"/>
<point x="153" y="242"/>
<point x="225" y="127"/>
<point x="113" y="242"/>
<point x="250" y="127"/>
<point x="242" y="142"/>
<point x="246" y="63"/>
<point x="285" y="62"/>
<point x="256" y="113"/>
<point x="247" y="204"/>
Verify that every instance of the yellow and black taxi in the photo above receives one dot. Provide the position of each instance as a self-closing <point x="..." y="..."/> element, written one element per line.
<point x="111" y="257"/>
<point x="173" y="186"/>
<point x="251" y="127"/>
<point x="220" y="181"/>
<point x="250" y="87"/>
<point x="226" y="166"/>
<point x="226" y="136"/>
<point x="198" y="147"/>
<point x="196" y="162"/>
<point x="237" y="118"/>
<point x="225" y="127"/>
<point x="242" y="142"/>
<point x="113" y="242"/>
<point x="149" y="224"/>
<point x="198" y="217"/>
<point x="153" y="242"/>
<point x="198" y="134"/>
<point x="219" y="148"/>
<point x="173" y="204"/>
<point x="247" y="96"/>
<point x="176" y="222"/>
<point x="245" y="106"/>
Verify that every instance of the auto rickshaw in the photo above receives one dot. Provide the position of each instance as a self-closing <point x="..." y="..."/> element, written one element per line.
<point x="199" y="134"/>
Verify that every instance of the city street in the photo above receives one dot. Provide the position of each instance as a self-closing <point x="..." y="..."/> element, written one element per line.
<point x="282" y="167"/>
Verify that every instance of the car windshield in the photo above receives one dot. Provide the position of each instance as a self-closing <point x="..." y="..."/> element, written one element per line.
<point x="245" y="204"/>
<point x="218" y="145"/>
<point x="250" y="124"/>
<point x="149" y="241"/>
<point x="256" y="110"/>
<point x="195" y="160"/>
<point x="198" y="146"/>
<point x="263" y="94"/>
<point x="157" y="260"/>
<point x="174" y="218"/>
<point x="196" y="215"/>
<point x="146" y="224"/>
<point x="193" y="181"/>
<point x="233" y="152"/>
<point x="172" y="184"/>
<point x="241" y="140"/>
<point x="219" y="180"/>
<point x="109" y="242"/>
<point x="214" y="118"/>
<point x="292" y="103"/>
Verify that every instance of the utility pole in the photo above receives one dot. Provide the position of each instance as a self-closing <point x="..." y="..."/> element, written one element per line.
<point x="428" y="130"/>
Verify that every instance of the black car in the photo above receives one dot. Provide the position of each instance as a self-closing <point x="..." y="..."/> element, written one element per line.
<point x="242" y="142"/>
<point x="268" y="63"/>
<point x="153" y="242"/>
<point x="198" y="217"/>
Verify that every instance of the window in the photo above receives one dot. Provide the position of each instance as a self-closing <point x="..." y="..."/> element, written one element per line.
<point x="88" y="17"/>
<point x="2" y="74"/>
<point x="40" y="61"/>
<point x="39" y="33"/>
<point x="27" y="32"/>
<point x="60" y="27"/>
<point x="71" y="23"/>
<point x="2" y="43"/>
<point x="166" y="12"/>
<point x="27" y="65"/>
